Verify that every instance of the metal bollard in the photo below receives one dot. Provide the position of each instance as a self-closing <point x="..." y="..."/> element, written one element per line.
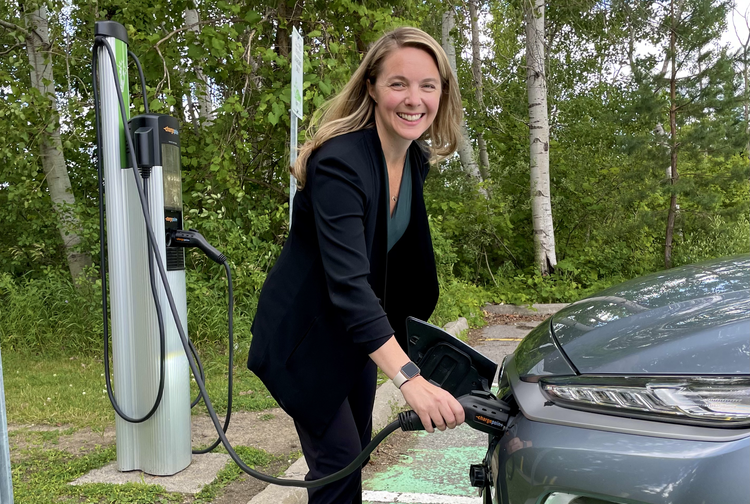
<point x="6" y="482"/>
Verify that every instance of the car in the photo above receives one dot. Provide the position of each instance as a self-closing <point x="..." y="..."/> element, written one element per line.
<point x="639" y="394"/>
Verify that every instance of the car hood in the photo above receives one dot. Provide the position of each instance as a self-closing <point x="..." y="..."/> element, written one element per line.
<point x="689" y="320"/>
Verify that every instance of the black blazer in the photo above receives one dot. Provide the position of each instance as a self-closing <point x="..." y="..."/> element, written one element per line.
<point x="335" y="286"/>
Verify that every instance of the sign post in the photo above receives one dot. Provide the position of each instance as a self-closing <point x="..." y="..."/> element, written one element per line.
<point x="295" y="113"/>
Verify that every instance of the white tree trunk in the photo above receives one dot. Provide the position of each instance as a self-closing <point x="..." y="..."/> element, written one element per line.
<point x="53" y="159"/>
<point x="476" y="70"/>
<point x="202" y="91"/>
<point x="536" y="85"/>
<point x="465" y="150"/>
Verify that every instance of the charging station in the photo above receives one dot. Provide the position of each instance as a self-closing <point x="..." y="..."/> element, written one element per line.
<point x="160" y="445"/>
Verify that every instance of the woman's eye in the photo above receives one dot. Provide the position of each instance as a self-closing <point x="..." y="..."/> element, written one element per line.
<point x="397" y="84"/>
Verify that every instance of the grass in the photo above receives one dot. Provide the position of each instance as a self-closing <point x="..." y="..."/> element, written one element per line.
<point x="64" y="390"/>
<point x="43" y="476"/>
<point x="33" y="437"/>
<point x="70" y="392"/>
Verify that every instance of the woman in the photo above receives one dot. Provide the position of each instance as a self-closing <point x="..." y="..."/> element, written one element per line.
<point x="359" y="258"/>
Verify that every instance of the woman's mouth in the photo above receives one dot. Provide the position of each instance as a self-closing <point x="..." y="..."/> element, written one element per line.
<point x="409" y="117"/>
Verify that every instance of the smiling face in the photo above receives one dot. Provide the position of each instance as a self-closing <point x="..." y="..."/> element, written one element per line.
<point x="407" y="94"/>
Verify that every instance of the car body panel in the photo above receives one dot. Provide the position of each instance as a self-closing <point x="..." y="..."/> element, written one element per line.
<point x="539" y="354"/>
<point x="615" y="459"/>
<point x="534" y="459"/>
<point x="693" y="320"/>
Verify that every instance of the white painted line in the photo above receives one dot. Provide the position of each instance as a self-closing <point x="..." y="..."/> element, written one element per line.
<point x="418" y="498"/>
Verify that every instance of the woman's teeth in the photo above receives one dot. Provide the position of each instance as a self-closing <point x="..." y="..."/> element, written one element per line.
<point x="410" y="117"/>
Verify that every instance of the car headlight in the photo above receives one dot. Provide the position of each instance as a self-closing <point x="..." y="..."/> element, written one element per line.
<point x="715" y="401"/>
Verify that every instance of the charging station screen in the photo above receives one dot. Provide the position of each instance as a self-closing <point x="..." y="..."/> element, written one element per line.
<point x="170" y="156"/>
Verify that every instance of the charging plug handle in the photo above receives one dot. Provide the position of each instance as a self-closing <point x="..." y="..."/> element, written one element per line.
<point x="192" y="238"/>
<point x="482" y="411"/>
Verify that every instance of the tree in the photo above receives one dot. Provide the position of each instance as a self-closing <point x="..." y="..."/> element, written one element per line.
<point x="743" y="61"/>
<point x="476" y="72"/>
<point x="695" y="90"/>
<point x="465" y="150"/>
<point x="202" y="89"/>
<point x="541" y="207"/>
<point x="38" y="48"/>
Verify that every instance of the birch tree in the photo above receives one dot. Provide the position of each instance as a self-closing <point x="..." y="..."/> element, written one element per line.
<point x="202" y="91"/>
<point x="476" y="71"/>
<point x="465" y="150"/>
<point x="671" y="60"/>
<point x="536" y="86"/>
<point x="38" y="49"/>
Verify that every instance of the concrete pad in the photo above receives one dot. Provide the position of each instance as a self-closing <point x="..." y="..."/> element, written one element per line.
<point x="437" y="464"/>
<point x="274" y="494"/>
<point x="199" y="473"/>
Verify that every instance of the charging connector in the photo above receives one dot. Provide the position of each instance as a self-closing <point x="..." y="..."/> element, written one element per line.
<point x="192" y="238"/>
<point x="482" y="411"/>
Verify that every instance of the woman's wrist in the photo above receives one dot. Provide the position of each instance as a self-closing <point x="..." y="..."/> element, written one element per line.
<point x="390" y="357"/>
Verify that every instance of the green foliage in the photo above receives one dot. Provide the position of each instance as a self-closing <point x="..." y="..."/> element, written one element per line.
<point x="717" y="238"/>
<point x="609" y="189"/>
<point x="565" y="285"/>
<point x="49" y="314"/>
<point x="459" y="298"/>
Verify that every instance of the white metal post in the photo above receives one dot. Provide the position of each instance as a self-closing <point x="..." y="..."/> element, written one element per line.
<point x="296" y="111"/>
<point x="292" y="160"/>
<point x="6" y="482"/>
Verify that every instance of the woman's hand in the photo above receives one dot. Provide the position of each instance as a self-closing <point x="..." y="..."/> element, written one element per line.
<point x="434" y="405"/>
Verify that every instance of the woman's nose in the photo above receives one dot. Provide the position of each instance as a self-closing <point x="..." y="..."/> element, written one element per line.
<point x="413" y="97"/>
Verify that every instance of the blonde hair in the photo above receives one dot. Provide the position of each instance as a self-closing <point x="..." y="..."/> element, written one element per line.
<point x="353" y="108"/>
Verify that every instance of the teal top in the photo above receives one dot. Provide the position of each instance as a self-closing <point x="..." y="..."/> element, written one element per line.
<point x="399" y="221"/>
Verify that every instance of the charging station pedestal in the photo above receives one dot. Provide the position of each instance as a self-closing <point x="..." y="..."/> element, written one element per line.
<point x="162" y="444"/>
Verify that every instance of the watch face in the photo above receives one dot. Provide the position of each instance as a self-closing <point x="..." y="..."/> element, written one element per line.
<point x="410" y="370"/>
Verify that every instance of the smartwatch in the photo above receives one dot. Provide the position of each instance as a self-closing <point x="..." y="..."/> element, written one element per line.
<point x="408" y="371"/>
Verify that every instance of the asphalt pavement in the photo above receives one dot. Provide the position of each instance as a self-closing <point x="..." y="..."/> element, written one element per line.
<point x="435" y="470"/>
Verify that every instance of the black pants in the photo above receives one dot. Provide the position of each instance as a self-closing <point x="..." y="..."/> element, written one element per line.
<point x="349" y="431"/>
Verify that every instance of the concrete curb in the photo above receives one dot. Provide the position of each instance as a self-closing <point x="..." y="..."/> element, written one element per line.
<point x="387" y="399"/>
<point x="536" y="309"/>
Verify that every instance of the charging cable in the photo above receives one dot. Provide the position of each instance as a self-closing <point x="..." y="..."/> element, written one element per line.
<point x="407" y="420"/>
